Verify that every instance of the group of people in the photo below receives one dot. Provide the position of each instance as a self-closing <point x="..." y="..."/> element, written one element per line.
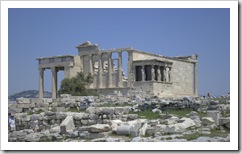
<point x="209" y="95"/>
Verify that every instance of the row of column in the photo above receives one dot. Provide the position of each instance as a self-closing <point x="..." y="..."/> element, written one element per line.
<point x="53" y="79"/>
<point x="165" y="73"/>
<point x="110" y="69"/>
<point x="100" y="73"/>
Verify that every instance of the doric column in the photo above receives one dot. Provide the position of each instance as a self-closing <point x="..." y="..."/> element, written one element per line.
<point x="100" y="71"/>
<point x="110" y="71"/>
<point x="41" y="82"/>
<point x="195" y="79"/>
<point x="143" y="72"/>
<point x="152" y="72"/>
<point x="54" y="81"/>
<point x="120" y="81"/>
<point x="158" y="74"/>
<point x="90" y="64"/>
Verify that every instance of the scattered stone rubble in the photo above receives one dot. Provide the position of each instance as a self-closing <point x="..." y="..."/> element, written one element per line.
<point x="116" y="119"/>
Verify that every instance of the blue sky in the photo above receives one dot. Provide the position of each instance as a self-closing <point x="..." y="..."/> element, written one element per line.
<point x="170" y="32"/>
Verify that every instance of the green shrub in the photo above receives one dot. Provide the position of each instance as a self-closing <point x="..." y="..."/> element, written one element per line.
<point x="39" y="111"/>
<point x="179" y="112"/>
<point x="192" y="136"/>
<point x="114" y="105"/>
<point x="183" y="112"/>
<point x="214" y="133"/>
<point x="73" y="110"/>
<point x="76" y="86"/>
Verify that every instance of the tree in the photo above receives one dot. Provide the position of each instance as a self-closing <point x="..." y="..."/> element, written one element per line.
<point x="77" y="85"/>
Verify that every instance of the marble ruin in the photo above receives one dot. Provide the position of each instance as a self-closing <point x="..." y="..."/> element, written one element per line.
<point x="149" y="73"/>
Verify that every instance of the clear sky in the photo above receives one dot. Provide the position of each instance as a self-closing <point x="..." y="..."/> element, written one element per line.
<point x="170" y="32"/>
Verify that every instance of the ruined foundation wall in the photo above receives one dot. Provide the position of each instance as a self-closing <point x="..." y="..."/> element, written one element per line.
<point x="148" y="87"/>
<point x="108" y="91"/>
<point x="163" y="89"/>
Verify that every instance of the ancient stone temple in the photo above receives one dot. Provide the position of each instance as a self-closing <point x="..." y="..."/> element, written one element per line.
<point x="148" y="73"/>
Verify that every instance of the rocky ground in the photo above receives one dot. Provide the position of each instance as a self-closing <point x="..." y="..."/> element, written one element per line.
<point x="117" y="118"/>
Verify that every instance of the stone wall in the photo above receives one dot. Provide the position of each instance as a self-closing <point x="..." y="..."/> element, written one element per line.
<point x="163" y="89"/>
<point x="147" y="87"/>
<point x="94" y="116"/>
<point x="110" y="117"/>
<point x="182" y="78"/>
<point x="108" y="91"/>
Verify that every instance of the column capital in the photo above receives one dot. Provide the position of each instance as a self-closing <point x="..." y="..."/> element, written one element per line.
<point x="41" y="69"/>
<point x="109" y="55"/>
<point x="53" y="69"/>
<point x="89" y="56"/>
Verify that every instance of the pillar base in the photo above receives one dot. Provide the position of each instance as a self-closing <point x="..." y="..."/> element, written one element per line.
<point x="120" y="84"/>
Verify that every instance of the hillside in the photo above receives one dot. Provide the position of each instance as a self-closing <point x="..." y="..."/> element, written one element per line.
<point x="29" y="94"/>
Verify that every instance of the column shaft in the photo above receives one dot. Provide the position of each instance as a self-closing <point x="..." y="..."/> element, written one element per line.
<point x="110" y="71"/>
<point x="41" y="83"/>
<point x="120" y="81"/>
<point x="54" y="80"/>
